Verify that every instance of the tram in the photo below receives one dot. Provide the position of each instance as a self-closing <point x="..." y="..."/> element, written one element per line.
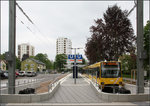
<point x="108" y="75"/>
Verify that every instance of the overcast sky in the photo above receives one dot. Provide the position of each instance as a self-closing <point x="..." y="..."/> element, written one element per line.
<point x="55" y="19"/>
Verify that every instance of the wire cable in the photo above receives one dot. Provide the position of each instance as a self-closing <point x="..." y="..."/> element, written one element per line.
<point x="24" y="13"/>
<point x="29" y="19"/>
<point x="36" y="37"/>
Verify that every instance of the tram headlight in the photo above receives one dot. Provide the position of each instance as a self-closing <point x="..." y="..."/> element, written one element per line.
<point x="102" y="83"/>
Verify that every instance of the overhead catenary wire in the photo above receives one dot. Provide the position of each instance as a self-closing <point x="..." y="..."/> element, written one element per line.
<point x="31" y="21"/>
<point x="24" y="24"/>
<point x="135" y="5"/>
<point x="24" y="13"/>
<point x="37" y="37"/>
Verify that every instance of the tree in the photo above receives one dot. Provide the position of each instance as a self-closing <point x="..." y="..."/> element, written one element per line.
<point x="32" y="57"/>
<point x="25" y="56"/>
<point x="84" y="62"/>
<point x="2" y="56"/>
<point x="60" y="61"/>
<point x="94" y="45"/>
<point x="147" y="43"/>
<point x="44" y="58"/>
<point x="111" y="37"/>
<point x="54" y="65"/>
<point x="18" y="64"/>
<point x="128" y="63"/>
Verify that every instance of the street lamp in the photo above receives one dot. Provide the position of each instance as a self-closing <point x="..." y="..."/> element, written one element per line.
<point x="75" y="63"/>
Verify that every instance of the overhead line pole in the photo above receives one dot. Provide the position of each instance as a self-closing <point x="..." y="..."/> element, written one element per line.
<point x="149" y="44"/>
<point x="75" y="65"/>
<point x="140" y="58"/>
<point x="10" y="56"/>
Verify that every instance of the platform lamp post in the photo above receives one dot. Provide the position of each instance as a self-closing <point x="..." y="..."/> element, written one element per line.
<point x="75" y="63"/>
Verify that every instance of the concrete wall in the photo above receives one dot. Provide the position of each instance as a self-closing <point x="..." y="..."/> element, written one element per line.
<point x="120" y="97"/>
<point x="133" y="89"/>
<point x="28" y="98"/>
<point x="21" y="87"/>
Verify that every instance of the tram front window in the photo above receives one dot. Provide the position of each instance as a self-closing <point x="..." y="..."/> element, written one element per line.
<point x="110" y="71"/>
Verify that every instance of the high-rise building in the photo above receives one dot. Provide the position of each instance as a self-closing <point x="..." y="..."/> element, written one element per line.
<point x="63" y="46"/>
<point x="25" y="48"/>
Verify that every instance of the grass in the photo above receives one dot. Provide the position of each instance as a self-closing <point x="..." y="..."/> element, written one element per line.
<point x="126" y="76"/>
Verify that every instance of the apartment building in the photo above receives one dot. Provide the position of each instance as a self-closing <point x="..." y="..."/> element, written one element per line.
<point x="63" y="46"/>
<point x="25" y="48"/>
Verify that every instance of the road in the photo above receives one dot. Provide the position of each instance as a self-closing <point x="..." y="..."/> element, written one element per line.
<point x="25" y="80"/>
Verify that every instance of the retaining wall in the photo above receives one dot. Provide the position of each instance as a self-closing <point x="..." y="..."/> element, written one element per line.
<point x="120" y="97"/>
<point x="28" y="98"/>
<point x="133" y="88"/>
<point x="21" y="87"/>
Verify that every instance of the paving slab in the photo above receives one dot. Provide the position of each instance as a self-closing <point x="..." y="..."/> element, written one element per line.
<point x="147" y="103"/>
<point x="68" y="92"/>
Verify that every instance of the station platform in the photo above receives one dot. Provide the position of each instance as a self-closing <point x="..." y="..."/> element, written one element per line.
<point x="68" y="92"/>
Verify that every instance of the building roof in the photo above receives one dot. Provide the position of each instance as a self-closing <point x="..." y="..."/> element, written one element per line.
<point x="3" y="61"/>
<point x="37" y="61"/>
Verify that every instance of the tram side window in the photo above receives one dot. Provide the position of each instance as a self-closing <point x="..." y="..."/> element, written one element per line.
<point x="98" y="74"/>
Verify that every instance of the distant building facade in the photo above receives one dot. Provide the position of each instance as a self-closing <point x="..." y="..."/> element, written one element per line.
<point x="34" y="65"/>
<point x="63" y="46"/>
<point x="25" y="49"/>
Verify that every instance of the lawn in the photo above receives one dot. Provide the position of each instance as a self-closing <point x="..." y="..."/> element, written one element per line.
<point x="126" y="76"/>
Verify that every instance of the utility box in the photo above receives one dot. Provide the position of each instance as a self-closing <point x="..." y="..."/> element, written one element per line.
<point x="74" y="72"/>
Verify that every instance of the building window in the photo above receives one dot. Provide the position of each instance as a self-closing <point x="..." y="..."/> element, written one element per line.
<point x="19" y="47"/>
<point x="32" y="69"/>
<point x="27" y="47"/>
<point x="28" y="52"/>
<point x="32" y="65"/>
